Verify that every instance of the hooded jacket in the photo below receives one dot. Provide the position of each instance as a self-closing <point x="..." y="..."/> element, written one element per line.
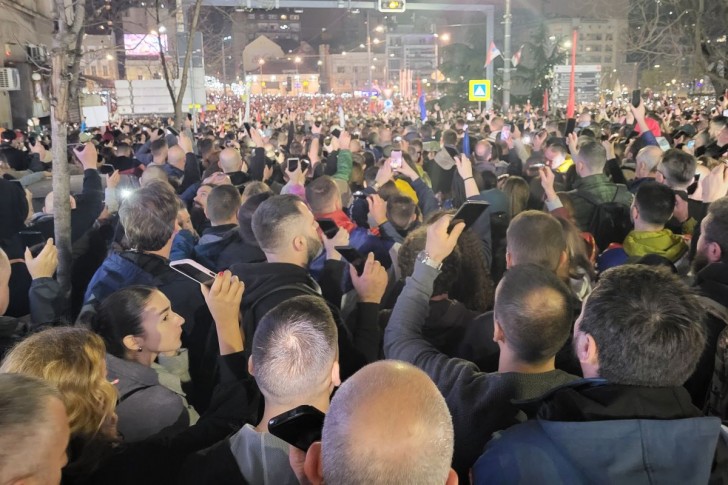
<point x="595" y="432"/>
<point x="663" y="243"/>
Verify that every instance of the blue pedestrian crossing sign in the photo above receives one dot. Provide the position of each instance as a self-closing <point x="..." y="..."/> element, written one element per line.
<point x="479" y="90"/>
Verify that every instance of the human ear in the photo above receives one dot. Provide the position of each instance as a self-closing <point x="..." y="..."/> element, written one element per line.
<point x="313" y="467"/>
<point x="131" y="343"/>
<point x="251" y="367"/>
<point x="498" y="334"/>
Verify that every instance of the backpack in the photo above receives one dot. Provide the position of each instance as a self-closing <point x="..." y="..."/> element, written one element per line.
<point x="717" y="402"/>
<point x="610" y="221"/>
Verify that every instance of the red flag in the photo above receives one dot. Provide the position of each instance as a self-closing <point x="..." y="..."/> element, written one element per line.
<point x="545" y="100"/>
<point x="571" y="105"/>
<point x="516" y="59"/>
<point x="493" y="52"/>
<point x="419" y="88"/>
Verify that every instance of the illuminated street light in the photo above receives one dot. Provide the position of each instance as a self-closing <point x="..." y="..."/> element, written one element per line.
<point x="445" y="37"/>
<point x="379" y="28"/>
<point x="297" y="60"/>
<point x="375" y="41"/>
<point x="162" y="29"/>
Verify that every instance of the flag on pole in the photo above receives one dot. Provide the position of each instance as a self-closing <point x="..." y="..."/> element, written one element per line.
<point x="423" y="107"/>
<point x="248" y="87"/>
<point x="516" y="59"/>
<point x="545" y="100"/>
<point x="466" y="142"/>
<point x="493" y="52"/>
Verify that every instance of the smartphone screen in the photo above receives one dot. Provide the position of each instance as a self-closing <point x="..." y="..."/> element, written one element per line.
<point x="299" y="427"/>
<point x="353" y="257"/>
<point x="31" y="238"/>
<point x="468" y="213"/>
<point x="194" y="271"/>
<point x="636" y="97"/>
<point x="329" y="227"/>
<point x="395" y="159"/>
<point x="506" y="132"/>
<point x="691" y="144"/>
<point x="293" y="164"/>
<point x="172" y="131"/>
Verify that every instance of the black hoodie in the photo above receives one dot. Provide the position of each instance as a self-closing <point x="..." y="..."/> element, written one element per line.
<point x="268" y="284"/>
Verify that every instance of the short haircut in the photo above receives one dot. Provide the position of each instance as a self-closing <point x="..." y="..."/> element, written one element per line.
<point x="123" y="150"/>
<point x="450" y="137"/>
<point x="148" y="216"/>
<point x="157" y="146"/>
<point x="655" y="202"/>
<point x="321" y="193"/>
<point x="23" y="419"/>
<point x="533" y="307"/>
<point x="536" y="237"/>
<point x="400" y="210"/>
<point x="294" y="348"/>
<point x="647" y="325"/>
<point x="593" y="155"/>
<point x="273" y="219"/>
<point x="245" y="216"/>
<point x="151" y="173"/>
<point x="255" y="188"/>
<point x="205" y="146"/>
<point x="716" y="226"/>
<point x="223" y="203"/>
<point x="678" y="168"/>
<point x="387" y="424"/>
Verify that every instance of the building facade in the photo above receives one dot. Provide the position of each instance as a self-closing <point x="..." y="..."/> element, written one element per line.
<point x="350" y="72"/>
<point x="416" y="52"/>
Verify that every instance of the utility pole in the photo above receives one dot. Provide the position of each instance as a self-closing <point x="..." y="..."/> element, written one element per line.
<point x="369" y="54"/>
<point x="507" y="58"/>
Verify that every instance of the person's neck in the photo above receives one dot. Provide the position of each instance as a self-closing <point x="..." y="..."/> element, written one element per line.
<point x="144" y="357"/>
<point x="164" y="252"/>
<point x="159" y="161"/>
<point x="284" y="258"/>
<point x="641" y="226"/>
<point x="232" y="220"/>
<point x="508" y="362"/>
<point x="272" y="410"/>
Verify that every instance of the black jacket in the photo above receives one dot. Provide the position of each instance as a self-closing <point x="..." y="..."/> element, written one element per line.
<point x="17" y="159"/>
<point x="711" y="282"/>
<point x="89" y="204"/>
<point x="268" y="284"/>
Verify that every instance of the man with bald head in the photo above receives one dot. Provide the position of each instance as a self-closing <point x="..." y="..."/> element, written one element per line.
<point x="387" y="424"/>
<point x="531" y="323"/>
<point x="182" y="166"/>
<point x="231" y="163"/>
<point x="85" y="207"/>
<point x="646" y="162"/>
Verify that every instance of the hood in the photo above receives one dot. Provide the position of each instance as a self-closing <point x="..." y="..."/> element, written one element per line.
<point x="609" y="432"/>
<point x="663" y="243"/>
<point x="713" y="282"/>
<point x="262" y="278"/>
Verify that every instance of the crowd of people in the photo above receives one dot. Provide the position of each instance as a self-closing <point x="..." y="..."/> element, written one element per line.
<point x="299" y="296"/>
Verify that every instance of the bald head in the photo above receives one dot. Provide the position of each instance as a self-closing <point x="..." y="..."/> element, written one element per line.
<point x="48" y="204"/>
<point x="387" y="424"/>
<point x="176" y="157"/>
<point x="153" y="172"/>
<point x="647" y="160"/>
<point x="230" y="160"/>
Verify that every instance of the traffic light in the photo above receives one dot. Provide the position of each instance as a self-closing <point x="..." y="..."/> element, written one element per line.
<point x="392" y="6"/>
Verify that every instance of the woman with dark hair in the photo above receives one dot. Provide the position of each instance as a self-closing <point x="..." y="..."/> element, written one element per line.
<point x="13" y="214"/>
<point x="139" y="327"/>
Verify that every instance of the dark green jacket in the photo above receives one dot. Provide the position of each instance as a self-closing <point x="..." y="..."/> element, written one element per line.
<point x="599" y="189"/>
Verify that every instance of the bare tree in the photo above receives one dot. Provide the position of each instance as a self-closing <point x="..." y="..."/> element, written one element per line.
<point x="65" y="58"/>
<point x="184" y="72"/>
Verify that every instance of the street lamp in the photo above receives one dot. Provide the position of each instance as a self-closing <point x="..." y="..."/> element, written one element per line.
<point x="297" y="61"/>
<point x="261" y="62"/>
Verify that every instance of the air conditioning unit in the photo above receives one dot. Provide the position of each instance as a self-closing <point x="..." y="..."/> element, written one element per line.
<point x="37" y="53"/>
<point x="9" y="79"/>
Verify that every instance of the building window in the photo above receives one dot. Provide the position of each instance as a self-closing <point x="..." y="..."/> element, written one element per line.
<point x="105" y="70"/>
<point x="93" y="70"/>
<point x="340" y="69"/>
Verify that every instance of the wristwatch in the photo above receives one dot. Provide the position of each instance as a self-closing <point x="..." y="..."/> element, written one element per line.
<point x="424" y="258"/>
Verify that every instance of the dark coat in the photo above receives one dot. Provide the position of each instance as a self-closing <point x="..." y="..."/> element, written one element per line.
<point x="595" y="432"/>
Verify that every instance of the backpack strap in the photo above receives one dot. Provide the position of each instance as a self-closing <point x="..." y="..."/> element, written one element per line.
<point x="127" y="395"/>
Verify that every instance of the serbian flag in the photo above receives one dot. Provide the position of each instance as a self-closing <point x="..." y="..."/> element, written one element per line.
<point x="493" y="52"/>
<point x="546" y="100"/>
<point x="516" y="59"/>
<point x="466" y="143"/>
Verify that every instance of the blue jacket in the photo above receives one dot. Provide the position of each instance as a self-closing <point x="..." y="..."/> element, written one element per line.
<point x="608" y="434"/>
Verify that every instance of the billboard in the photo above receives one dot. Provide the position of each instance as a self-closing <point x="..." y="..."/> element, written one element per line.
<point x="144" y="45"/>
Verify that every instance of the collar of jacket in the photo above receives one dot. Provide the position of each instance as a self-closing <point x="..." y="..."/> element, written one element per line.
<point x="564" y="167"/>
<point x="663" y="243"/>
<point x="591" y="181"/>
<point x="598" y="400"/>
<point x="340" y="218"/>
<point x="713" y="282"/>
